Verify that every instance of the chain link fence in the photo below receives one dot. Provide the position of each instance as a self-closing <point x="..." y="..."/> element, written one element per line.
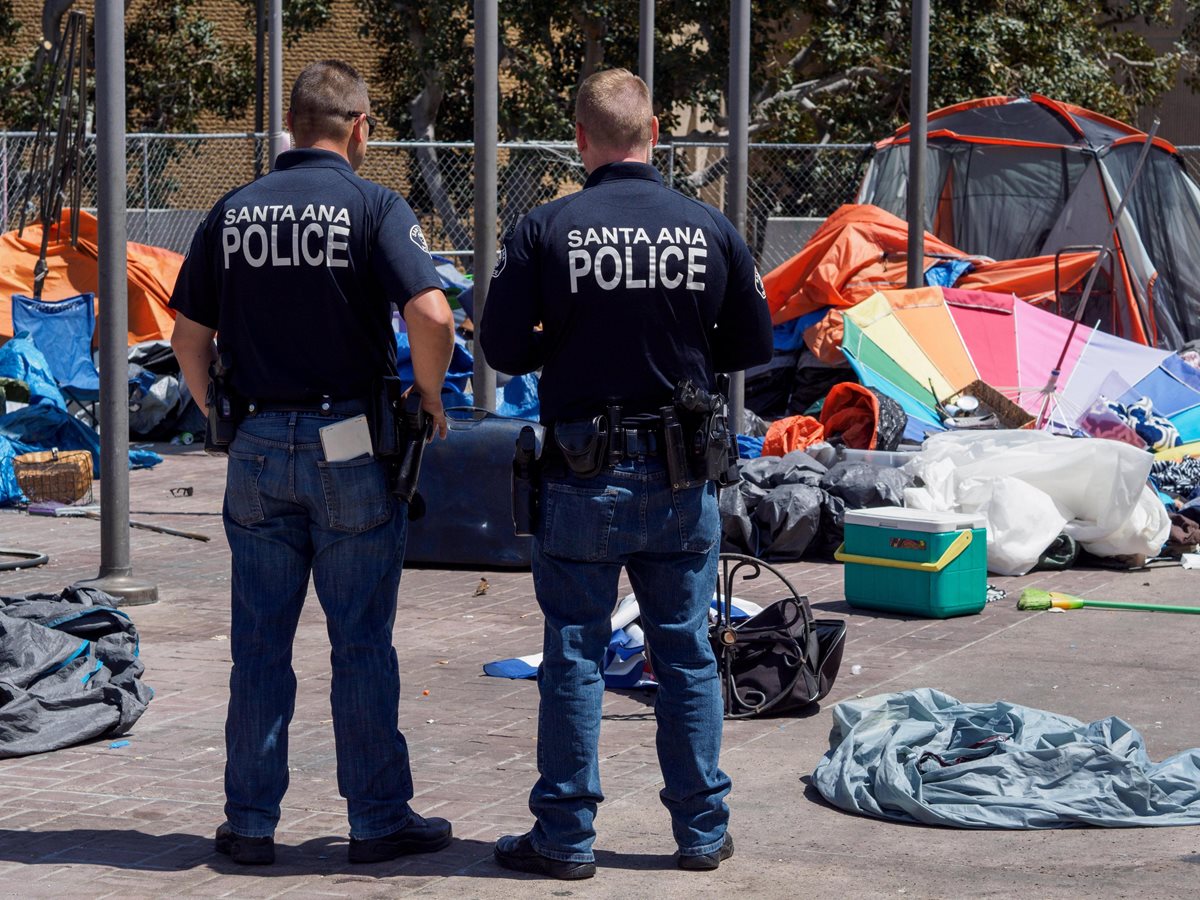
<point x="174" y="179"/>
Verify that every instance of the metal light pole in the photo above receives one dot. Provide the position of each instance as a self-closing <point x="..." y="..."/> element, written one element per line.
<point x="487" y="98"/>
<point x="917" y="128"/>
<point x="275" y="39"/>
<point x="739" y="135"/>
<point x="116" y="574"/>
<point x="260" y="79"/>
<point x="646" y="44"/>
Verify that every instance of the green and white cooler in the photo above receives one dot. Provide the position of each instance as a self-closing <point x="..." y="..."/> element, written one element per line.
<point x="915" y="562"/>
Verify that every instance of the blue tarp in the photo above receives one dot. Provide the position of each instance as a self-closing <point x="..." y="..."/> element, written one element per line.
<point x="21" y="360"/>
<point x="44" y="423"/>
<point x="946" y="272"/>
<point x="923" y="756"/>
<point x="519" y="398"/>
<point x="461" y="363"/>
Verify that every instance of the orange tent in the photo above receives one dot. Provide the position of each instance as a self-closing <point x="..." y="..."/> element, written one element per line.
<point x="73" y="270"/>
<point x="861" y="249"/>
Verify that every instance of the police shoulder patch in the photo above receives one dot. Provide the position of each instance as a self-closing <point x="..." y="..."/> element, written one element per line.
<point x="758" y="284"/>
<point x="417" y="236"/>
<point x="501" y="259"/>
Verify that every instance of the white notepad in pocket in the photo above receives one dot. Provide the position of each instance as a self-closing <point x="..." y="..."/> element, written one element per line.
<point x="347" y="439"/>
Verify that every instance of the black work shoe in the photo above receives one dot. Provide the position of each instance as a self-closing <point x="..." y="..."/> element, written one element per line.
<point x="245" y="851"/>
<point x="418" y="836"/>
<point x="516" y="852"/>
<point x="708" y="861"/>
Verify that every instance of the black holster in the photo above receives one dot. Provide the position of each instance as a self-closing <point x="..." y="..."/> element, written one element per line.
<point x="676" y="452"/>
<point x="400" y="429"/>
<point x="710" y="446"/>
<point x="526" y="483"/>
<point x="584" y="445"/>
<point x="225" y="409"/>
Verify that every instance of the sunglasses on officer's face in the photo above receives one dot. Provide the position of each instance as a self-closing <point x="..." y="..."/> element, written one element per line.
<point x="371" y="120"/>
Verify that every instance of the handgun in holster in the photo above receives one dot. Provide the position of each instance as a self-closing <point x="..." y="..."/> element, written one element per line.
<point x="526" y="483"/>
<point x="709" y="447"/>
<point x="400" y="430"/>
<point x="225" y="411"/>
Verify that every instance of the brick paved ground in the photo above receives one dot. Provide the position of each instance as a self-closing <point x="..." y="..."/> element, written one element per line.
<point x="137" y="821"/>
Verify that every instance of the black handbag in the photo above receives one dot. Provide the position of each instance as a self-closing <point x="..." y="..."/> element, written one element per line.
<point x="776" y="661"/>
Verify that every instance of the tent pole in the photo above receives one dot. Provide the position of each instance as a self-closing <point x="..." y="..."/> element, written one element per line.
<point x="739" y="135"/>
<point x="487" y="96"/>
<point x="918" y="111"/>
<point x="116" y="574"/>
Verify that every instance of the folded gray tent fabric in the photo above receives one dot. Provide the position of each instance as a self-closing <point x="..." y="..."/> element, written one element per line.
<point x="922" y="756"/>
<point x="69" y="671"/>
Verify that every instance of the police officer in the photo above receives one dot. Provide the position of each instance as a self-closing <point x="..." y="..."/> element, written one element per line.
<point x="295" y="275"/>
<point x="619" y="293"/>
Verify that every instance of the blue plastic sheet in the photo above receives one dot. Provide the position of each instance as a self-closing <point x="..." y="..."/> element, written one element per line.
<point x="20" y="359"/>
<point x="44" y="426"/>
<point x="40" y="427"/>
<point x="946" y="272"/>
<point x="519" y="398"/>
<point x="923" y="756"/>
<point x="10" y="491"/>
<point x="461" y="363"/>
<point x="749" y="447"/>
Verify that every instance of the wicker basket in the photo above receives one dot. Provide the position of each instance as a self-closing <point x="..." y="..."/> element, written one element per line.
<point x="62" y="475"/>
<point x="1008" y="413"/>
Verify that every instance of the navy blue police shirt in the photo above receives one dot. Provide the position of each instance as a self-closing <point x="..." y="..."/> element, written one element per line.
<point x="297" y="272"/>
<point x="635" y="287"/>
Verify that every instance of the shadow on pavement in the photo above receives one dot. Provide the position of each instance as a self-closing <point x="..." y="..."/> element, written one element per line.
<point x="130" y="849"/>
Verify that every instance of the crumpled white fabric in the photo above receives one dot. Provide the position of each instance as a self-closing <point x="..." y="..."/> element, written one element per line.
<point x="923" y="756"/>
<point x="1032" y="485"/>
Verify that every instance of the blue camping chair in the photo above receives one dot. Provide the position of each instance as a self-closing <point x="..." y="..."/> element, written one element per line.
<point x="62" y="330"/>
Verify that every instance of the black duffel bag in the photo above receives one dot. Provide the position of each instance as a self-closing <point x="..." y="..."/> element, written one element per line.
<point x="779" y="660"/>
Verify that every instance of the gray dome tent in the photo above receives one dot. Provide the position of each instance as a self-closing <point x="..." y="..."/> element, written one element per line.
<point x="1016" y="177"/>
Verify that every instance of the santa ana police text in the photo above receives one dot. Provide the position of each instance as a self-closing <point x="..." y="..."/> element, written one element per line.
<point x="278" y="235"/>
<point x="627" y="257"/>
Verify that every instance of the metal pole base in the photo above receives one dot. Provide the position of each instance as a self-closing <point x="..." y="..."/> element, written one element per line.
<point x="124" y="588"/>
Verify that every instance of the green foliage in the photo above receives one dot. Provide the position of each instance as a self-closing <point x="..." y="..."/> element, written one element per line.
<point x="15" y="73"/>
<point x="547" y="48"/>
<point x="425" y="59"/>
<point x="9" y="26"/>
<point x="850" y="77"/>
<point x="1189" y="46"/>
<point x="299" y="17"/>
<point x="177" y="68"/>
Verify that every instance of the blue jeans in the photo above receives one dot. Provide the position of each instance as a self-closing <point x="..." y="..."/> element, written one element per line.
<point x="668" y="542"/>
<point x="289" y="513"/>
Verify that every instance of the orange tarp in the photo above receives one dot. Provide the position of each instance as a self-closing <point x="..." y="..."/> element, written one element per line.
<point x="861" y="249"/>
<point x="73" y="270"/>
<point x="857" y="251"/>
<point x="792" y="433"/>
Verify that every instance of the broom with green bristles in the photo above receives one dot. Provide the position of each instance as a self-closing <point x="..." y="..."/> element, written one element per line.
<point x="1034" y="600"/>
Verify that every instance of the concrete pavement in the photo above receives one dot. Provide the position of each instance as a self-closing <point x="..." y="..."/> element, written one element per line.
<point x="137" y="821"/>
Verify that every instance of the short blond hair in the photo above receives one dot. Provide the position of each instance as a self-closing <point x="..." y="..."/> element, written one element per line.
<point x="613" y="106"/>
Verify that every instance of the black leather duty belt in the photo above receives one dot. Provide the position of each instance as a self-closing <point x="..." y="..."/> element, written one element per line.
<point x="326" y="406"/>
<point x="634" y="442"/>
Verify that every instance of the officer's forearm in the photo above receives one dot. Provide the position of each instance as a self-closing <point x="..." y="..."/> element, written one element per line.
<point x="194" y="350"/>
<point x="431" y="336"/>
